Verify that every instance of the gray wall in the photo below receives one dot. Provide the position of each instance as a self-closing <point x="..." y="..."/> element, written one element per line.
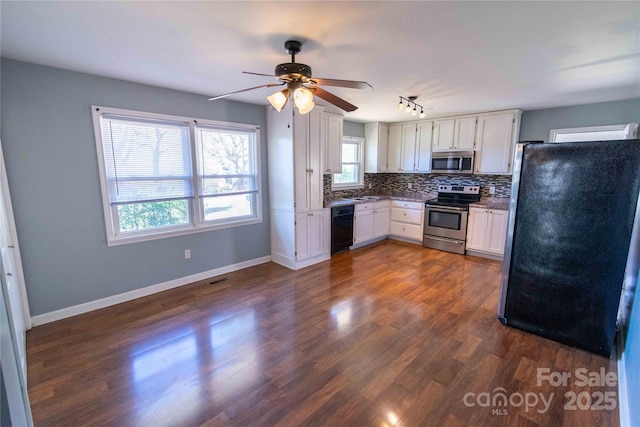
<point x="50" y="153"/>
<point x="536" y="124"/>
<point x="353" y="129"/>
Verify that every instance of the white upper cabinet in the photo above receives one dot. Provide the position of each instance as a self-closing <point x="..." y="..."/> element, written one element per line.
<point x="456" y="134"/>
<point x="496" y="138"/>
<point x="423" y="147"/>
<point x="394" y="152"/>
<point x="401" y="156"/>
<point x="408" y="147"/>
<point x="332" y="138"/>
<point x="308" y="153"/>
<point x="376" y="146"/>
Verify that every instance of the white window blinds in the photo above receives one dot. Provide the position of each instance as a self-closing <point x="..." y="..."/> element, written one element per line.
<point x="226" y="161"/>
<point x="145" y="159"/>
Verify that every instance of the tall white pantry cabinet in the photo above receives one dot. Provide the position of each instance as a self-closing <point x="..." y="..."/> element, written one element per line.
<point x="300" y="226"/>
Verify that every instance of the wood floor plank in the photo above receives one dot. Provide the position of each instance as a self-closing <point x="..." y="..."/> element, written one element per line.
<point x="391" y="334"/>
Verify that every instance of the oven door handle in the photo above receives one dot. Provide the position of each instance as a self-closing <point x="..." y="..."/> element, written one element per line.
<point x="457" y="242"/>
<point x="445" y="208"/>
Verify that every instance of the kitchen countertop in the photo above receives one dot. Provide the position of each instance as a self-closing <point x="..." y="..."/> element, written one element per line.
<point x="350" y="201"/>
<point x="500" y="203"/>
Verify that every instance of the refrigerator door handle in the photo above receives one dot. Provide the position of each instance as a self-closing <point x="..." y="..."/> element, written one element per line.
<point x="511" y="221"/>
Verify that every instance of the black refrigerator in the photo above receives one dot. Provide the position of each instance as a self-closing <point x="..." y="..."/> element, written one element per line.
<point x="571" y="227"/>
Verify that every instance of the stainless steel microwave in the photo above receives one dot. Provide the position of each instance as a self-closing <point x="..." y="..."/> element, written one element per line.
<point x="452" y="162"/>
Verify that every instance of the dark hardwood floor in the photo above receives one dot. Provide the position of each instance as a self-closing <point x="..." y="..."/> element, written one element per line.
<point x="387" y="335"/>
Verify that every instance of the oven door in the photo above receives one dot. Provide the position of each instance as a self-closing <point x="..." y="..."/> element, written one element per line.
<point x="446" y="221"/>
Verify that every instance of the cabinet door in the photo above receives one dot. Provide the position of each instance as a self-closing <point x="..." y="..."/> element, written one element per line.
<point x="363" y="227"/>
<point x="383" y="147"/>
<point x="464" y="137"/>
<point x="497" y="231"/>
<point x="301" y="162"/>
<point x="423" y="147"/>
<point x="316" y="233"/>
<point x="381" y="219"/>
<point x="314" y="169"/>
<point x="333" y="143"/>
<point x="443" y="135"/>
<point x="394" y="153"/>
<point x="302" y="236"/>
<point x="476" y="228"/>
<point x="408" y="147"/>
<point x="495" y="143"/>
<point x="311" y="234"/>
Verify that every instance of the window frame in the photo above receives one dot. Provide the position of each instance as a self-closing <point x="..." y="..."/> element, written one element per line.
<point x="630" y="131"/>
<point x="196" y="221"/>
<point x="360" y="163"/>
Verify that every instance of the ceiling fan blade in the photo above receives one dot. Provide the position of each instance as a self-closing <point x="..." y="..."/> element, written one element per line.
<point x="245" y="90"/>
<point x="342" y="83"/>
<point x="258" y="74"/>
<point x="329" y="97"/>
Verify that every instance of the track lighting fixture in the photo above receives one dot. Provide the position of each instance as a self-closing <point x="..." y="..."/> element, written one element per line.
<point x="411" y="102"/>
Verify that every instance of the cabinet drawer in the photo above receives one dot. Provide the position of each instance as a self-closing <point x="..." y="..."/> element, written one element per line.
<point x="408" y="205"/>
<point x="409" y="231"/>
<point x="382" y="205"/>
<point x="406" y="215"/>
<point x="363" y="207"/>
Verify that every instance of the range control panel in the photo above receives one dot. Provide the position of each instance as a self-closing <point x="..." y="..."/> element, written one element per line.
<point x="459" y="189"/>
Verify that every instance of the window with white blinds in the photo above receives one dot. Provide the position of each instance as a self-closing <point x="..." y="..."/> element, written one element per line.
<point x="166" y="175"/>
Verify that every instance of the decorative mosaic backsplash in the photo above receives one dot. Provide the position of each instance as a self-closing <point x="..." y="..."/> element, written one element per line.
<point x="422" y="185"/>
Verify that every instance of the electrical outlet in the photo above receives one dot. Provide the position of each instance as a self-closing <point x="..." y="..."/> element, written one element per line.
<point x="369" y="186"/>
<point x="410" y="186"/>
<point x="187" y="253"/>
<point x="492" y="189"/>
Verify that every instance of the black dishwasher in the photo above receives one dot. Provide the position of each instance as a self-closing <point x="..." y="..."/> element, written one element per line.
<point x="341" y="228"/>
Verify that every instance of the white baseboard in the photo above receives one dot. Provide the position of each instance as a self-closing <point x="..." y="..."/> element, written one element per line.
<point x="623" y="396"/>
<point x="52" y="316"/>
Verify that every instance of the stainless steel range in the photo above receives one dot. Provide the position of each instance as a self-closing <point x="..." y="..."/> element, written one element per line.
<point x="445" y="218"/>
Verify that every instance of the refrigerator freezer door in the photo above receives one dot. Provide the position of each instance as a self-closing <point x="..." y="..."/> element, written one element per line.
<point x="571" y="229"/>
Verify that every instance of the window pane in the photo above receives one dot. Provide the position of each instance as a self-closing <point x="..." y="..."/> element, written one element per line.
<point x="146" y="160"/>
<point x="217" y="185"/>
<point x="224" y="152"/>
<point x="217" y="208"/>
<point x="349" y="153"/>
<point x="349" y="175"/>
<point x="143" y="216"/>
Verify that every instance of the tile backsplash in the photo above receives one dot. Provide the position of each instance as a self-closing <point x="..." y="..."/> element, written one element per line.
<point x="422" y="185"/>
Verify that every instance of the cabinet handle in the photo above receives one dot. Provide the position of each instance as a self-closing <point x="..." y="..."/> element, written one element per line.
<point x="9" y="274"/>
<point x="309" y="214"/>
<point x="327" y="170"/>
<point x="310" y="170"/>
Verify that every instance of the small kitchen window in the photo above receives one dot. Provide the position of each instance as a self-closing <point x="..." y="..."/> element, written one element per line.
<point x="163" y="176"/>
<point x="352" y="175"/>
<point x="595" y="133"/>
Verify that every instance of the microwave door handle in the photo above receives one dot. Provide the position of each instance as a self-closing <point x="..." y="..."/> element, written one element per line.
<point x="460" y="163"/>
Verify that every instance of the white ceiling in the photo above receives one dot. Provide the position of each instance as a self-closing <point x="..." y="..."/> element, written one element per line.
<point x="458" y="57"/>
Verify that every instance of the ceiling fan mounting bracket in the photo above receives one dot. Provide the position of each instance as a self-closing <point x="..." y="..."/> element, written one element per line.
<point x="293" y="47"/>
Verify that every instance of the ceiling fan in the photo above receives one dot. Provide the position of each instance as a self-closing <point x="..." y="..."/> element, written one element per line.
<point x="298" y="81"/>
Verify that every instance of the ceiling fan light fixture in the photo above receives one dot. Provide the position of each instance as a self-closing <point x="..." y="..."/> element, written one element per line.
<point x="303" y="98"/>
<point x="279" y="99"/>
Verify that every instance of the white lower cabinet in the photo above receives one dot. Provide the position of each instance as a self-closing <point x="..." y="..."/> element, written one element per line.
<point x="487" y="230"/>
<point x="371" y="221"/>
<point x="313" y="234"/>
<point x="406" y="220"/>
<point x="381" y="216"/>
